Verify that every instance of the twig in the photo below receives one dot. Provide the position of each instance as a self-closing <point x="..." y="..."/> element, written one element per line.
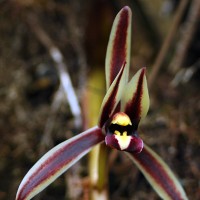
<point x="76" y="34"/>
<point x="65" y="88"/>
<point x="167" y="42"/>
<point x="73" y="179"/>
<point x="185" y="74"/>
<point x="187" y="35"/>
<point x="57" y="57"/>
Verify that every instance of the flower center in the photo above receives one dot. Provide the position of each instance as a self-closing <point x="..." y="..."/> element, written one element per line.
<point x="120" y="125"/>
<point x="120" y="129"/>
<point x="121" y="134"/>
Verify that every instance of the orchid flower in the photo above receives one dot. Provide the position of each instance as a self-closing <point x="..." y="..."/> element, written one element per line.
<point x="125" y="104"/>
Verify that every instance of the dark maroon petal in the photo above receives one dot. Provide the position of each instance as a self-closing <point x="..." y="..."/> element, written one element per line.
<point x="112" y="97"/>
<point x="57" y="161"/>
<point x="135" y="146"/>
<point x="118" y="49"/>
<point x="135" y="143"/>
<point x="133" y="107"/>
<point x="112" y="142"/>
<point x="135" y="99"/>
<point x="158" y="174"/>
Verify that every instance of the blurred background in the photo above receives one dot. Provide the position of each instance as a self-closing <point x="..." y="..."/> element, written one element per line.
<point x="35" y="112"/>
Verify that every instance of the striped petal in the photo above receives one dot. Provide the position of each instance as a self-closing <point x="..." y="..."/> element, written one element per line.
<point x="112" y="97"/>
<point x="158" y="174"/>
<point x="57" y="161"/>
<point x="135" y="98"/>
<point x="118" y="49"/>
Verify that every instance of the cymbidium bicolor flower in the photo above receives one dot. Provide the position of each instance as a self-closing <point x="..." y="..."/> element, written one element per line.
<point x="125" y="104"/>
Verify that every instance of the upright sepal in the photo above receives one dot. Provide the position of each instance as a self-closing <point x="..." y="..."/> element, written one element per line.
<point x="158" y="174"/>
<point x="57" y="161"/>
<point x="135" y="98"/>
<point x="118" y="49"/>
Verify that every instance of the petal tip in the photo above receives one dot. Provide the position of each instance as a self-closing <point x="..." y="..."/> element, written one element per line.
<point x="126" y="9"/>
<point x="142" y="72"/>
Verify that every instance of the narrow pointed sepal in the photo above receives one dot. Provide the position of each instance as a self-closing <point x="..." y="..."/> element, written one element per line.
<point x="112" y="97"/>
<point x="158" y="174"/>
<point x="118" y="49"/>
<point x="56" y="162"/>
<point x="135" y="99"/>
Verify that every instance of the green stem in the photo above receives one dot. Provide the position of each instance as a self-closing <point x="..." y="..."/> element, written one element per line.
<point x="98" y="173"/>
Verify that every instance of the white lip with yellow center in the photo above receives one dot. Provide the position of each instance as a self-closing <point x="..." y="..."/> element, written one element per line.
<point x="123" y="140"/>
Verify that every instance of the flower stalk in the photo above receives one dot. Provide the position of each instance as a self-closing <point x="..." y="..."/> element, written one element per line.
<point x="97" y="168"/>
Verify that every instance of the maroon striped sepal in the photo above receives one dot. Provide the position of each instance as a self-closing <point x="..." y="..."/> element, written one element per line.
<point x="159" y="175"/>
<point x="57" y="161"/>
